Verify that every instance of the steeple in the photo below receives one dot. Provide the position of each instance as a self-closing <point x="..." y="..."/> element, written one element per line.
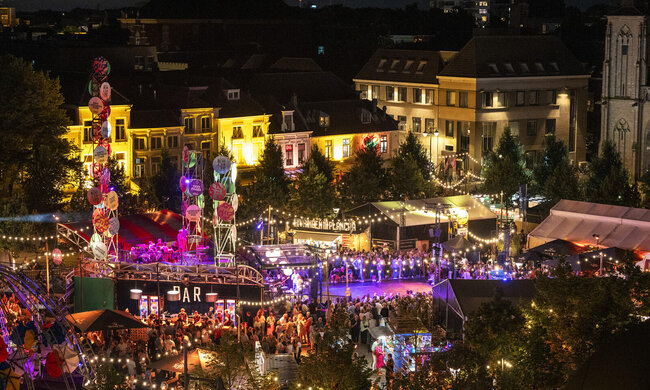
<point x="632" y="7"/>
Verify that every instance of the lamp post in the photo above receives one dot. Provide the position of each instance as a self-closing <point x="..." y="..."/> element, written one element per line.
<point x="600" y="255"/>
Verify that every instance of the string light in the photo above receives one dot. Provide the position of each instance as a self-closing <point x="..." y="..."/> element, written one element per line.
<point x="27" y="238"/>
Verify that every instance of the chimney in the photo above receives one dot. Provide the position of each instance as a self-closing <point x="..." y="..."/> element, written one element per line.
<point x="294" y="100"/>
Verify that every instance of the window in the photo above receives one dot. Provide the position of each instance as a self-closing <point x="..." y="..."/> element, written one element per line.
<point x="366" y="117"/>
<point x="521" y="98"/>
<point x="88" y="165"/>
<point x="451" y="98"/>
<point x="363" y="91"/>
<point x="487" y="136"/>
<point x="429" y="125"/>
<point x="531" y="127"/>
<point x="488" y="99"/>
<point x="238" y="153"/>
<point x="393" y="66"/>
<point x="417" y="125"/>
<point x="139" y="62"/>
<point x="401" y="119"/>
<point x="288" y="154"/>
<point x="401" y="94"/>
<point x="205" y="124"/>
<point x="321" y="50"/>
<point x="533" y="98"/>
<point x="501" y="99"/>
<point x="324" y="120"/>
<point x="463" y="136"/>
<point x="554" y="67"/>
<point x="258" y="149"/>
<point x="624" y="49"/>
<point x="120" y="130"/>
<point x="287" y="121"/>
<point x="328" y="149"/>
<point x="552" y="97"/>
<point x="509" y="68"/>
<point x="407" y="67"/>
<point x="233" y="94"/>
<point x="382" y="63"/>
<point x="539" y="67"/>
<point x="493" y="68"/>
<point x="257" y="131"/>
<point x="237" y="132"/>
<point x="549" y="129"/>
<point x="449" y="129"/>
<point x="428" y="96"/>
<point x="189" y="125"/>
<point x="530" y="157"/>
<point x="301" y="153"/>
<point x="138" y="167"/>
<point x="390" y="93"/>
<point x="138" y="144"/>
<point x="88" y="131"/>
<point x="205" y="145"/>
<point x="421" y="66"/>
<point x="156" y="143"/>
<point x="121" y="160"/>
<point x="514" y="128"/>
<point x="155" y="165"/>
<point x="383" y="144"/>
<point x="524" y="67"/>
<point x="346" y="147"/>
<point x="172" y="142"/>
<point x="417" y="95"/>
<point x="463" y="99"/>
<point x="449" y="148"/>
<point x="375" y="92"/>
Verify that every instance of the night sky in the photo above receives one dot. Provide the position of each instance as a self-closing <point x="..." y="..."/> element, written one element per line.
<point x="32" y="5"/>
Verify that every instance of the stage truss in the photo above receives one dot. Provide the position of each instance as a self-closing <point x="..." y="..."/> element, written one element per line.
<point x="225" y="231"/>
<point x="43" y="309"/>
<point x="193" y="202"/>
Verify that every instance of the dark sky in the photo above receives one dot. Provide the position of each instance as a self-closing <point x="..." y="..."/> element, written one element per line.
<point x="32" y="5"/>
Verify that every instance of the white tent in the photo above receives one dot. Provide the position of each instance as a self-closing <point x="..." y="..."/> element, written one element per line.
<point x="617" y="226"/>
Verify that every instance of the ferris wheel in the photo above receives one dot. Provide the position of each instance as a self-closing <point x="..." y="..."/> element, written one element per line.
<point x="39" y="334"/>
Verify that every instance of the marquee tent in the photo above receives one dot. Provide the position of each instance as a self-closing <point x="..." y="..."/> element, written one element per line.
<point x="624" y="227"/>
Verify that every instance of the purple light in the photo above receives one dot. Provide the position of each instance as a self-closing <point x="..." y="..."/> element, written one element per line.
<point x="187" y="181"/>
<point x="260" y="225"/>
<point x="112" y="188"/>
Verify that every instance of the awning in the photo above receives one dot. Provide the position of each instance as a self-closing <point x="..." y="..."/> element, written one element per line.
<point x="316" y="236"/>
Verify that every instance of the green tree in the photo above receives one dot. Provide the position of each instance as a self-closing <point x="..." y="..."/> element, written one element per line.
<point x="505" y="170"/>
<point x="311" y="193"/>
<point x="35" y="155"/>
<point x="107" y="377"/>
<point x="13" y="223"/>
<point x="608" y="181"/>
<point x="226" y="365"/>
<point x="555" y="177"/>
<point x="412" y="149"/>
<point x="332" y="365"/>
<point x="271" y="185"/>
<point x="325" y="165"/>
<point x="645" y="189"/>
<point x="411" y="171"/>
<point x="366" y="181"/>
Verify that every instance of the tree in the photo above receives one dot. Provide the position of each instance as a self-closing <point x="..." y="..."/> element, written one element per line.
<point x="504" y="169"/>
<point x="608" y="181"/>
<point x="271" y="186"/>
<point x="366" y="180"/>
<point x="14" y="223"/>
<point x="324" y="164"/>
<point x="226" y="367"/>
<point x="412" y="149"/>
<point x="35" y="155"/>
<point x="645" y="189"/>
<point x="411" y="176"/>
<point x="555" y="177"/>
<point x="332" y="365"/>
<point x="311" y="193"/>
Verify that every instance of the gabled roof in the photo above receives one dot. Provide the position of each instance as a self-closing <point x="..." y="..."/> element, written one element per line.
<point x="513" y="56"/>
<point x="147" y="119"/>
<point x="345" y="117"/>
<point x="411" y="66"/>
<point x="273" y="107"/>
<point x="308" y="86"/>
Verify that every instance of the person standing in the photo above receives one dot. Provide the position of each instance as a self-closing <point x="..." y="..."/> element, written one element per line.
<point x="390" y="366"/>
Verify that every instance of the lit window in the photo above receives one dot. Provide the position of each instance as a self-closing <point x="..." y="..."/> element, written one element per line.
<point x="417" y="95"/>
<point x="328" y="149"/>
<point x="138" y="144"/>
<point x="346" y="147"/>
<point x="237" y="132"/>
<point x="189" y="125"/>
<point x="365" y="117"/>
<point x="205" y="124"/>
<point x="120" y="132"/>
<point x="156" y="143"/>
<point x="288" y="153"/>
<point x="383" y="144"/>
<point x="324" y="120"/>
<point x="301" y="153"/>
<point x="417" y="125"/>
<point x="88" y="131"/>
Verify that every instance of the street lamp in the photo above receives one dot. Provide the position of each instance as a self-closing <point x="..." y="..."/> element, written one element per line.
<point x="600" y="255"/>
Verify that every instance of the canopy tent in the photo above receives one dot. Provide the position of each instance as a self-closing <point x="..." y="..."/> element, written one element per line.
<point x="455" y="299"/>
<point x="96" y="320"/>
<point x="198" y="360"/>
<point x="282" y="256"/>
<point x="617" y="226"/>
<point x="137" y="229"/>
<point x="550" y="250"/>
<point x="459" y="244"/>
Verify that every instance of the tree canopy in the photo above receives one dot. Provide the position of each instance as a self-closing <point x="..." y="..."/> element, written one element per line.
<point x="311" y="193"/>
<point x="609" y="181"/>
<point x="366" y="181"/>
<point x="505" y="170"/>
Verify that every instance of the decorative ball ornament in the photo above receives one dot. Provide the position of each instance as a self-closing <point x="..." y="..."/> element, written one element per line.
<point x="196" y="187"/>
<point x="95" y="105"/>
<point x="94" y="196"/>
<point x="105" y="130"/>
<point x="233" y="233"/>
<point x="221" y="164"/>
<point x="101" y="66"/>
<point x="100" y="154"/>
<point x="112" y="201"/>
<point x="193" y="213"/>
<point x="100" y="250"/>
<point x="217" y="191"/>
<point x="105" y="91"/>
<point x="100" y="221"/>
<point x="183" y="183"/>
<point x="105" y="176"/>
<point x="234" y="202"/>
<point x="106" y="112"/>
<point x="113" y="226"/>
<point x="95" y="239"/>
<point x="200" y="201"/>
<point x="192" y="162"/>
<point x="186" y="155"/>
<point x="225" y="212"/>
<point x="57" y="256"/>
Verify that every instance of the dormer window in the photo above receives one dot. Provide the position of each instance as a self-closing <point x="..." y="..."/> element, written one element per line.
<point x="324" y="120"/>
<point x="233" y="94"/>
<point x="554" y="67"/>
<point x="407" y="67"/>
<point x="524" y="67"/>
<point x="421" y="66"/>
<point x="287" y="121"/>
<point x="393" y="65"/>
<point x="493" y="68"/>
<point x="382" y="63"/>
<point x="509" y="68"/>
<point x="539" y="67"/>
<point x="365" y="117"/>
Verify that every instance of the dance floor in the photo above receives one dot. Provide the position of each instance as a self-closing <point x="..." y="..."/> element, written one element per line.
<point x="385" y="287"/>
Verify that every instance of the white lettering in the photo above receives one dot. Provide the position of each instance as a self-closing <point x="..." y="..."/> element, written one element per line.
<point x="197" y="294"/>
<point x="186" y="295"/>
<point x="324" y="224"/>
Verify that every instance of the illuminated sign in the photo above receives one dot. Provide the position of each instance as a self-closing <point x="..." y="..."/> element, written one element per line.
<point x="325" y="224"/>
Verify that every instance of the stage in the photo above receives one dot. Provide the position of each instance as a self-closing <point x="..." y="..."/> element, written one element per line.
<point x="358" y="289"/>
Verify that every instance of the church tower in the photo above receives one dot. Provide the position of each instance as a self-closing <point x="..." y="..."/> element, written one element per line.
<point x="626" y="86"/>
